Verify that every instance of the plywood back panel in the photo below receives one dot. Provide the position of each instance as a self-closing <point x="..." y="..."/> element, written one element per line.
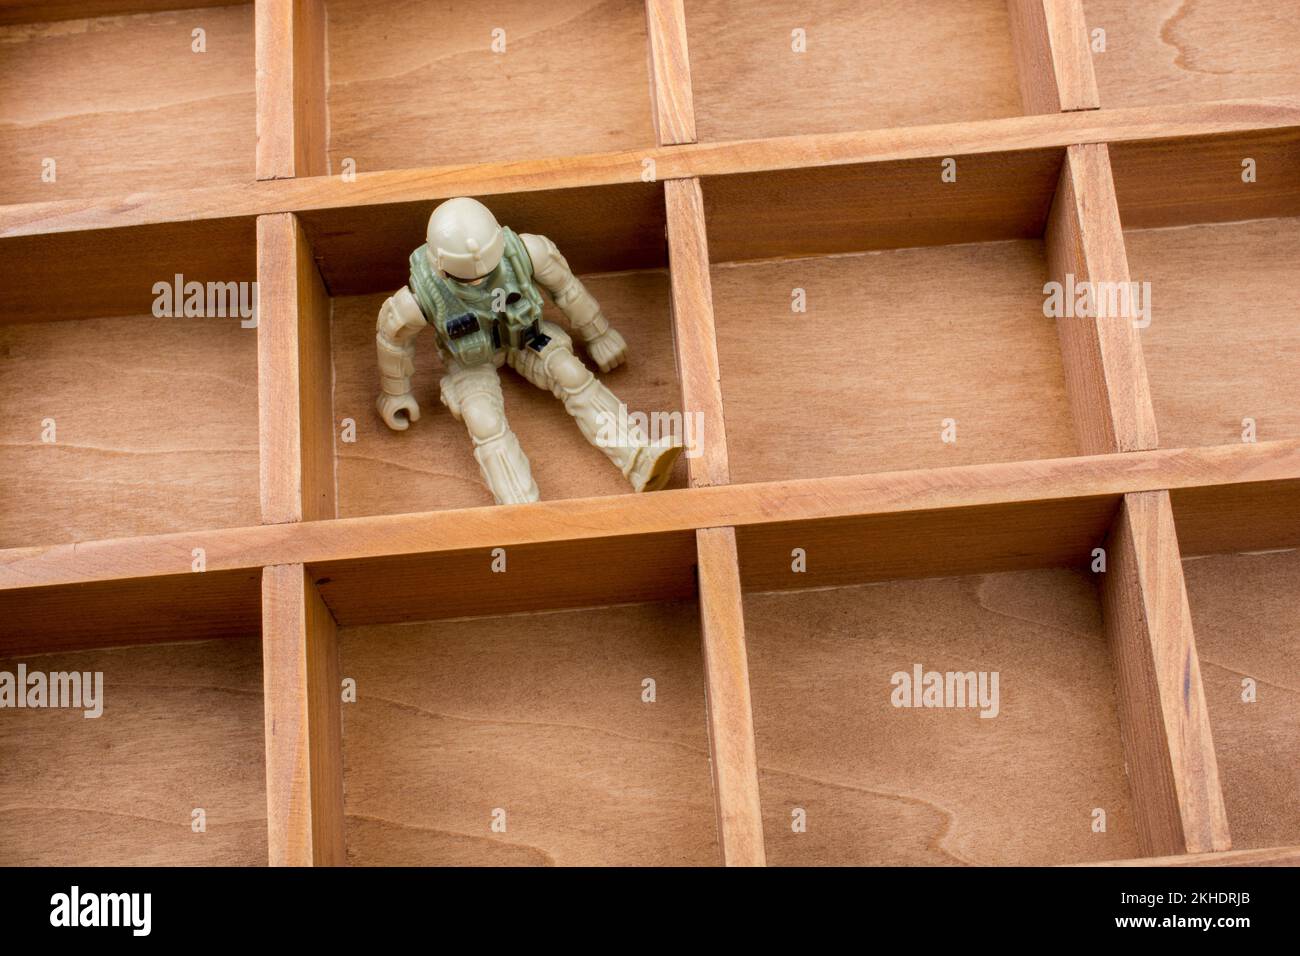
<point x="540" y="716"/>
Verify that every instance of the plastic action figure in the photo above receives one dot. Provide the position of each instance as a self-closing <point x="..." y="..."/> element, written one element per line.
<point x="476" y="281"/>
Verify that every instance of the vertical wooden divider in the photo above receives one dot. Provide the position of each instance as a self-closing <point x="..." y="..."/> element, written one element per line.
<point x="1168" y="747"/>
<point x="722" y="617"/>
<point x="304" y="765"/>
<point x="1049" y="39"/>
<point x="670" y="72"/>
<point x="291" y="124"/>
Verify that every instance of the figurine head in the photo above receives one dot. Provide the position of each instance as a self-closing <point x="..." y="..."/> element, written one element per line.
<point x="465" y="240"/>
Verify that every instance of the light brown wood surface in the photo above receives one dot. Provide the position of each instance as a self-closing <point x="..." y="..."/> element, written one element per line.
<point x="304" y="758"/>
<point x="295" y="377"/>
<point x="670" y="71"/>
<point x="1246" y="611"/>
<point x="1105" y="373"/>
<point x="540" y="716"/>
<point x="887" y="785"/>
<point x="573" y="78"/>
<point x="1175" y="51"/>
<point x="291" y="121"/>
<point x="181" y="730"/>
<point x="1224" y="340"/>
<point x="154" y="428"/>
<point x="728" y="700"/>
<point x="1054" y="63"/>
<point x="867" y="64"/>
<point x="41" y="11"/>
<point x="123" y="104"/>
<point x="890" y="345"/>
<point x="1168" y="744"/>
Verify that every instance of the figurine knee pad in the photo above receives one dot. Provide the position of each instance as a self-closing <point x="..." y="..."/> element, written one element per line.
<point x="484" y="416"/>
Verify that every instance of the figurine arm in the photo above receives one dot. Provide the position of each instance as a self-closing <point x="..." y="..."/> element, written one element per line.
<point x="400" y="320"/>
<point x="552" y="272"/>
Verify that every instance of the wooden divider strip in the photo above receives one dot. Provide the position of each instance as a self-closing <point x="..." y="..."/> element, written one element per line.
<point x="1168" y="747"/>
<point x="294" y="379"/>
<point x="304" y="750"/>
<point x="670" y="72"/>
<point x="1105" y="374"/>
<point x="291" y="125"/>
<point x="1050" y="41"/>
<point x="727" y="699"/>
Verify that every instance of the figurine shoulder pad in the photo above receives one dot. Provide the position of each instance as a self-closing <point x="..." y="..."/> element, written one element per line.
<point x="542" y="251"/>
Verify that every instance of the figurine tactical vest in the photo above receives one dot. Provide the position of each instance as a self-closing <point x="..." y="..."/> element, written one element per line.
<point x="474" y="322"/>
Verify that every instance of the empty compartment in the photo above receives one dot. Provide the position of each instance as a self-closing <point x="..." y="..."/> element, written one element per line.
<point x="1246" y="615"/>
<point x="170" y="772"/>
<point x="124" y="415"/>
<point x="881" y="318"/>
<point x="1176" y="51"/>
<point x="1223" y="345"/>
<point x="131" y="103"/>
<point x="415" y="84"/>
<point x="852" y="771"/>
<point x="831" y="66"/>
<point x="606" y="234"/>
<point x="560" y="738"/>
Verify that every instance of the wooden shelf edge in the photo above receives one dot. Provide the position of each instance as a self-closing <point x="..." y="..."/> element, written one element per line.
<point x="662" y="513"/>
<point x="1268" y="856"/>
<point x="312" y="193"/>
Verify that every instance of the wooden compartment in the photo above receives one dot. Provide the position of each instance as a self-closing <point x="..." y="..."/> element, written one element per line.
<point x="431" y="465"/>
<point x="887" y="785"/>
<point x="1174" y="51"/>
<point x="180" y="730"/>
<point x="123" y="103"/>
<point x="540" y="715"/>
<point x="415" y="84"/>
<point x="923" y="303"/>
<point x="1246" y="609"/>
<point x="864" y="64"/>
<point x="126" y="416"/>
<point x="1224" y="340"/>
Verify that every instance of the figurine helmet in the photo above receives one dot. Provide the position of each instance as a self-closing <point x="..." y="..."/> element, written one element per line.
<point x="464" y="238"/>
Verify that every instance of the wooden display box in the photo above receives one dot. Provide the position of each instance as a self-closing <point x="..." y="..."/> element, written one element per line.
<point x="829" y="234"/>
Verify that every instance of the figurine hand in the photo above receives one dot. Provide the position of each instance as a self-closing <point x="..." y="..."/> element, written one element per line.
<point x="608" y="350"/>
<point x="391" y="408"/>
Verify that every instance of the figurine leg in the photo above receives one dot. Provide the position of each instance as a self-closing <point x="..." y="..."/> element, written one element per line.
<point x="595" y="408"/>
<point x="474" y="397"/>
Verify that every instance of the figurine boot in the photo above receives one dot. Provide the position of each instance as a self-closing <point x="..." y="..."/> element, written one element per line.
<point x="474" y="397"/>
<point x="647" y="466"/>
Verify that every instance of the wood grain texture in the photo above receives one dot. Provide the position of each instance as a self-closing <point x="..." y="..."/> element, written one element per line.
<point x="153" y="428"/>
<point x="893" y="343"/>
<point x="866" y="63"/>
<point x="1053" y="59"/>
<point x="291" y="122"/>
<point x="540" y="716"/>
<point x="1246" y="608"/>
<point x="575" y="525"/>
<point x="110" y="99"/>
<point x="827" y="210"/>
<point x="1105" y="374"/>
<point x="1272" y="856"/>
<point x="181" y="729"/>
<point x="431" y="465"/>
<point x="670" y="72"/>
<point x="573" y="78"/>
<point x="694" y="335"/>
<point x="1175" y="51"/>
<point x="727" y="700"/>
<point x="1217" y="519"/>
<point x="888" y="785"/>
<point x="1190" y="134"/>
<point x="1224" y="339"/>
<point x="1168" y="746"/>
<point x="304" y="757"/>
<point x="295" y="377"/>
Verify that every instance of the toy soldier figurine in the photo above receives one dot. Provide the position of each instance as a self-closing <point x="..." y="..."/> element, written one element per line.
<point x="476" y="282"/>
